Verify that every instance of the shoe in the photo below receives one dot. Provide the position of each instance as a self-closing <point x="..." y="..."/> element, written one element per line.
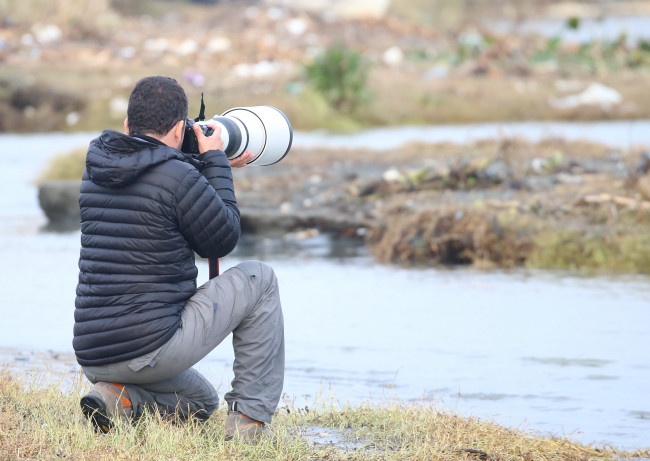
<point x="105" y="404"/>
<point x="241" y="427"/>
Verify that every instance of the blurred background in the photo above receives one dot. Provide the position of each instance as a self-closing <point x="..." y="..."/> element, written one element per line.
<point x="463" y="217"/>
<point x="70" y="66"/>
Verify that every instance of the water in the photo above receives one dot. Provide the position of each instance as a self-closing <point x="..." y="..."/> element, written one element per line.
<point x="547" y="352"/>
<point x="622" y="134"/>
<point x="609" y="29"/>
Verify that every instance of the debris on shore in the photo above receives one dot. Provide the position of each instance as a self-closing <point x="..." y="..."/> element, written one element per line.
<point x="504" y="203"/>
<point x="508" y="203"/>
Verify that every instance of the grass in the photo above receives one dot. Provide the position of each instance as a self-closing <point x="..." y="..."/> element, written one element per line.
<point x="43" y="421"/>
<point x="620" y="251"/>
<point x="68" y="165"/>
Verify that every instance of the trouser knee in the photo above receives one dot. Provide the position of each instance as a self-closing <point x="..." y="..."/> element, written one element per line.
<point x="259" y="273"/>
<point x="209" y="406"/>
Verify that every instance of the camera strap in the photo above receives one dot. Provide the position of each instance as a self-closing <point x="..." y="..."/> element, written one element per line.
<point x="201" y="116"/>
<point x="213" y="265"/>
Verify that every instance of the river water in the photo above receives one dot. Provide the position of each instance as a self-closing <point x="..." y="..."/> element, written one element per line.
<point x="609" y="29"/>
<point x="543" y="351"/>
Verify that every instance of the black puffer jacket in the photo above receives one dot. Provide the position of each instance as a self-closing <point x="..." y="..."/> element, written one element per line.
<point x="146" y="208"/>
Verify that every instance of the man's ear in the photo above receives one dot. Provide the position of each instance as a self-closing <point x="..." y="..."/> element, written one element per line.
<point x="179" y="129"/>
<point x="126" y="125"/>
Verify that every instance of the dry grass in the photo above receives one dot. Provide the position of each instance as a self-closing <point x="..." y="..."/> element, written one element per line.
<point x="502" y="80"/>
<point x="65" y="166"/>
<point x="46" y="11"/>
<point x="42" y="421"/>
<point x="444" y="209"/>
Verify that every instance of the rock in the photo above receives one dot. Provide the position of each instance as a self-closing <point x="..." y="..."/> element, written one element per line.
<point x="643" y="187"/>
<point x="260" y="70"/>
<point x="643" y="167"/>
<point x="393" y="56"/>
<point x="596" y="94"/>
<point x="72" y="118"/>
<point x="59" y="200"/>
<point x="392" y="175"/>
<point x="218" y="45"/>
<point x="156" y="45"/>
<point x="118" y="106"/>
<point x="497" y="172"/>
<point x="46" y="34"/>
<point x="296" y="26"/>
<point x="342" y="9"/>
<point x="186" y="47"/>
<point x="437" y="72"/>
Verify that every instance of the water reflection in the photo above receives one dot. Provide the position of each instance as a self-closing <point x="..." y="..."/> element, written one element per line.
<point x="291" y="247"/>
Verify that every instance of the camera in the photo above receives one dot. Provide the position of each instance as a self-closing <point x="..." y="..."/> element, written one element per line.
<point x="264" y="130"/>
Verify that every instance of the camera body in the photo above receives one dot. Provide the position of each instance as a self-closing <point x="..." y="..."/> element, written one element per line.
<point x="263" y="130"/>
<point x="190" y="143"/>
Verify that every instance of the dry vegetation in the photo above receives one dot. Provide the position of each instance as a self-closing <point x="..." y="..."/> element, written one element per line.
<point x="507" y="203"/>
<point x="487" y="203"/>
<point x="448" y="69"/>
<point x="39" y="420"/>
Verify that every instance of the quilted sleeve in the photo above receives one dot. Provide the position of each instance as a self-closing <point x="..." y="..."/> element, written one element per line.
<point x="206" y="208"/>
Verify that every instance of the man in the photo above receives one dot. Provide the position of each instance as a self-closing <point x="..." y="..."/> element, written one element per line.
<point x="140" y="322"/>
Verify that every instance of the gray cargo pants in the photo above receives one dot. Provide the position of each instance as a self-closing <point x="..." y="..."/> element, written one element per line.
<point x="243" y="300"/>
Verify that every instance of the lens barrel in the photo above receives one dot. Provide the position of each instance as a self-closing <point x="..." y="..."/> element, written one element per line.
<point x="263" y="130"/>
<point x="269" y="132"/>
<point x="234" y="135"/>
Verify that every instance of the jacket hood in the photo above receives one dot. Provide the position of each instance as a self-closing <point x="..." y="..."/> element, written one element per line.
<point x="116" y="160"/>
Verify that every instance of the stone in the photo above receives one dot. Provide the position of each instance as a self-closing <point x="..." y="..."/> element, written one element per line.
<point x="341" y="9"/>
<point x="596" y="94"/>
<point x="59" y="200"/>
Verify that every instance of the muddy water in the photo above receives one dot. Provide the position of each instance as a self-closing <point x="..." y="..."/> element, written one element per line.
<point x="544" y="351"/>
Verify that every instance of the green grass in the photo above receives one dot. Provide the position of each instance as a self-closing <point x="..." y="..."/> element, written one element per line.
<point x="43" y="421"/>
<point x="623" y="251"/>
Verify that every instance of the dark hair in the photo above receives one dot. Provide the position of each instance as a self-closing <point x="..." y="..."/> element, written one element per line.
<point x="156" y="104"/>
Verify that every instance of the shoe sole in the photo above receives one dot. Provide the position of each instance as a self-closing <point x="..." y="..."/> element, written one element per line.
<point x="95" y="410"/>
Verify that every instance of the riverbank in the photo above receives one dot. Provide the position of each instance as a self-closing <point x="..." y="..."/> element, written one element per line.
<point x="44" y="422"/>
<point x="72" y="68"/>
<point x="471" y="350"/>
<point x="485" y="203"/>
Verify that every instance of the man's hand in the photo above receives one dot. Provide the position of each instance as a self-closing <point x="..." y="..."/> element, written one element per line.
<point x="206" y="143"/>
<point x="241" y="160"/>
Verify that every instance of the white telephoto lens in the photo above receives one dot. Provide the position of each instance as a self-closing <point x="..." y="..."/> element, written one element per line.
<point x="269" y="132"/>
<point x="233" y="134"/>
